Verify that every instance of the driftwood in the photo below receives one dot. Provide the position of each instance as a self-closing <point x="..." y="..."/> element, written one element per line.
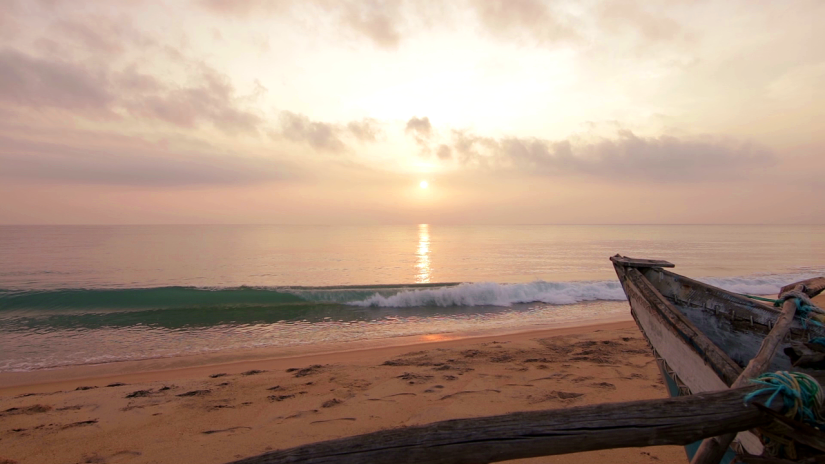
<point x="712" y="449"/>
<point x="670" y="421"/>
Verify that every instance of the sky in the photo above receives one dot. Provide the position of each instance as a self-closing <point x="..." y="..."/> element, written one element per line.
<point x="335" y="111"/>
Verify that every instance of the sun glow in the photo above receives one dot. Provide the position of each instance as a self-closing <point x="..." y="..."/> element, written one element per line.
<point x="424" y="184"/>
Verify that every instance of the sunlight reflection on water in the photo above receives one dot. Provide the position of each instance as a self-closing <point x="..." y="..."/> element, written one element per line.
<point x="422" y="263"/>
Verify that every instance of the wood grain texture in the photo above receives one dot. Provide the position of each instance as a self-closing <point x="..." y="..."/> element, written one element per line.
<point x="670" y="421"/>
<point x="712" y="449"/>
<point x="811" y="287"/>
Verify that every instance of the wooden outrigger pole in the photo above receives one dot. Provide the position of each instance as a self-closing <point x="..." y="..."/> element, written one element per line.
<point x="669" y="421"/>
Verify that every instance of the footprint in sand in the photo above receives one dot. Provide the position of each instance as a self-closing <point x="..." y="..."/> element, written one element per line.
<point x="230" y="429"/>
<point x="139" y="394"/>
<point x="331" y="403"/>
<point x="301" y="414"/>
<point x="196" y="393"/>
<point x="34" y="409"/>
<point x="70" y="408"/>
<point x="333" y="420"/>
<point x="79" y="424"/>
<point x="603" y="385"/>
<point x="467" y="392"/>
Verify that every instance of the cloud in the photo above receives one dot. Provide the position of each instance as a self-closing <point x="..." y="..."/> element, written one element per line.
<point x="365" y="130"/>
<point x="35" y="82"/>
<point x="114" y="160"/>
<point x="376" y="22"/>
<point x="627" y="156"/>
<point x="245" y="8"/>
<point x="211" y="99"/>
<point x="532" y="20"/>
<point x="91" y="90"/>
<point x="319" y="135"/>
<point x="97" y="39"/>
<point x="444" y="152"/>
<point x="629" y="16"/>
<point x="419" y="126"/>
<point x="9" y="27"/>
<point x="326" y="136"/>
<point x="421" y="129"/>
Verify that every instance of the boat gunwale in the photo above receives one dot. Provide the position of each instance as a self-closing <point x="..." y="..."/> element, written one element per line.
<point x="722" y="364"/>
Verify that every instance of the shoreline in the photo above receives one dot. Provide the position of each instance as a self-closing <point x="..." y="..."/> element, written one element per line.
<point x="217" y="413"/>
<point x="41" y="380"/>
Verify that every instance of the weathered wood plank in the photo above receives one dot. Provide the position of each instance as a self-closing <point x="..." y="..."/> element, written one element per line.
<point x="801" y="432"/>
<point x="811" y="287"/>
<point x="806" y="355"/>
<point x="675" y="321"/>
<point x="751" y="459"/>
<point x="712" y="449"/>
<point x="636" y="262"/>
<point x="670" y="421"/>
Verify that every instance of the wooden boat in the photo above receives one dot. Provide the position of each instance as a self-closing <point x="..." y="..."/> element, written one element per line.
<point x="703" y="337"/>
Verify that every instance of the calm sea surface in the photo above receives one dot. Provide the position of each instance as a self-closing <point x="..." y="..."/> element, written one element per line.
<point x="89" y="294"/>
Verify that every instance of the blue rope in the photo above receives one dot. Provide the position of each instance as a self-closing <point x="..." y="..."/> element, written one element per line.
<point x="818" y="341"/>
<point x="802" y="396"/>
<point x="805" y="315"/>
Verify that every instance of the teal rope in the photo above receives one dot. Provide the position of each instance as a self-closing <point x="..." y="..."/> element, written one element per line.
<point x="802" y="396"/>
<point x="818" y="341"/>
<point x="776" y="303"/>
<point x="803" y="311"/>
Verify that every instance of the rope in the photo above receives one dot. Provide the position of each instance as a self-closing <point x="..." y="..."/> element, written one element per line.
<point x="776" y="303"/>
<point x="806" y="310"/>
<point x="801" y="394"/>
<point x="802" y="398"/>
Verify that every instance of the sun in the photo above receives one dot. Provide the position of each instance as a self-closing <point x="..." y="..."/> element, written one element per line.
<point x="424" y="184"/>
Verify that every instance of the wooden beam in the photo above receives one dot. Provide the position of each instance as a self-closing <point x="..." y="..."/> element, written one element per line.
<point x="712" y="449"/>
<point x="800" y="431"/>
<point x="811" y="287"/>
<point x="669" y="421"/>
<point x="751" y="459"/>
<point x="635" y="262"/>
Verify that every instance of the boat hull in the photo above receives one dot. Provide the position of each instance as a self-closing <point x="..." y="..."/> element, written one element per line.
<point x="685" y="366"/>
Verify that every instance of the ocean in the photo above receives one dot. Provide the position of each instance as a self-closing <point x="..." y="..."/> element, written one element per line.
<point x="73" y="295"/>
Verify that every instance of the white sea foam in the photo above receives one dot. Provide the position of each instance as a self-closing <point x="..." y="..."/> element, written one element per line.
<point x="557" y="293"/>
<point x="492" y="294"/>
<point x="757" y="285"/>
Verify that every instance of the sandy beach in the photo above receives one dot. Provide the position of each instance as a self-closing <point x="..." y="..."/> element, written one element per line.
<point x="221" y="412"/>
<point x="164" y="411"/>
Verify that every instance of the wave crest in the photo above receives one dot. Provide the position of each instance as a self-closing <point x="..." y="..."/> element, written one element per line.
<point x="492" y="294"/>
